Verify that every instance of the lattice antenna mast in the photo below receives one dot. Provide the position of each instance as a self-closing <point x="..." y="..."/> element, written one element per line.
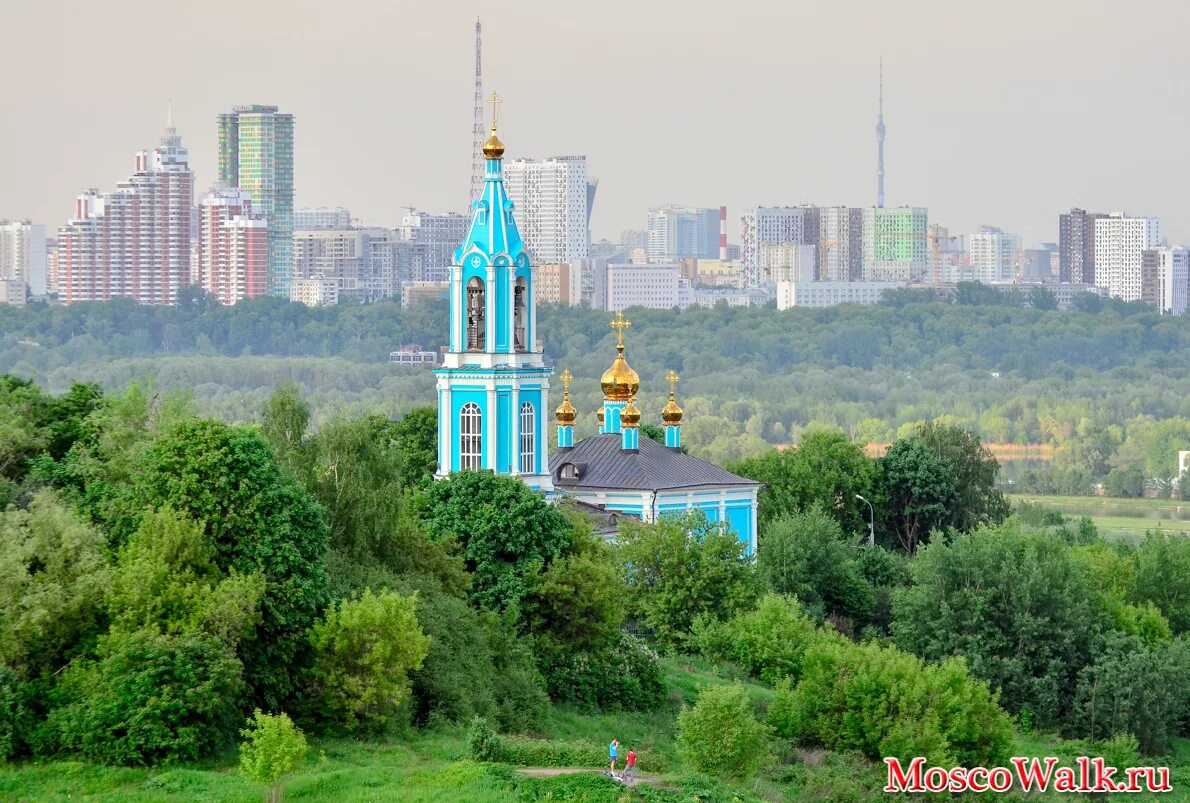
<point x="477" y="123"/>
<point x="880" y="143"/>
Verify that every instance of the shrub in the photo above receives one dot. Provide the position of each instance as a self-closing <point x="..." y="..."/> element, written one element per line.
<point x="626" y="677"/>
<point x="13" y="715"/>
<point x="768" y="642"/>
<point x="721" y="734"/>
<point x="273" y="747"/>
<point x="482" y="742"/>
<point x="149" y="698"/>
<point x="364" y="651"/>
<point x="883" y="702"/>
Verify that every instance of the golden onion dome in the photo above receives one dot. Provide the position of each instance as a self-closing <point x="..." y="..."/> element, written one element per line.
<point x="619" y="382"/>
<point x="493" y="148"/>
<point x="599" y="417"/>
<point x="630" y="415"/>
<point x="671" y="413"/>
<point x="566" y="412"/>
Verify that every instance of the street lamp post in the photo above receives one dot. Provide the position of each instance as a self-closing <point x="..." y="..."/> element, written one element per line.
<point x="871" y="520"/>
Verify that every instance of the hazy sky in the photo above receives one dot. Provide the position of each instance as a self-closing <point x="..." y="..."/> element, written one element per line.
<point x="999" y="113"/>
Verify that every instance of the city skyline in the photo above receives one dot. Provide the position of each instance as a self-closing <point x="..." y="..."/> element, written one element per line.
<point x="1009" y="134"/>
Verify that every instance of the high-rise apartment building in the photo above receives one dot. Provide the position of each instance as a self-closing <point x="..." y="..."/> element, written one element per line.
<point x="134" y="242"/>
<point x="363" y="262"/>
<point x="993" y="254"/>
<point x="23" y="256"/>
<point x="840" y="243"/>
<point x="771" y="225"/>
<point x="322" y="217"/>
<point x="1165" y="279"/>
<point x="233" y="246"/>
<point x="895" y="244"/>
<point x="681" y="232"/>
<point x="788" y="262"/>
<point x="432" y="240"/>
<point x="551" y="202"/>
<point x="1076" y="246"/>
<point x="256" y="154"/>
<point x="1119" y="243"/>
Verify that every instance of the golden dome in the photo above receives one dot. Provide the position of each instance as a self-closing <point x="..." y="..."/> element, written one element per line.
<point x="493" y="148"/>
<point x="599" y="417"/>
<point x="671" y="413"/>
<point x="630" y="415"/>
<point x="620" y="382"/>
<point x="566" y="412"/>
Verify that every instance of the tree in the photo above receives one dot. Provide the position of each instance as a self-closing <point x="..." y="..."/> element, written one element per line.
<point x="826" y="470"/>
<point x="1163" y="577"/>
<point x="1126" y="482"/>
<point x="882" y="702"/>
<point x="256" y="520"/>
<point x="807" y="555"/>
<point x="505" y="531"/>
<point x="416" y="435"/>
<point x="283" y="423"/>
<point x="989" y="596"/>
<point x="975" y="470"/>
<point x="721" y="735"/>
<point x="683" y="567"/>
<point x="1040" y="298"/>
<point x="273" y="747"/>
<point x="54" y="573"/>
<point x="364" y="651"/>
<point x="769" y="641"/>
<point x="920" y="491"/>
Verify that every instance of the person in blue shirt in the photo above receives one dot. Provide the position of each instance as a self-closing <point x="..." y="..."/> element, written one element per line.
<point x="612" y="749"/>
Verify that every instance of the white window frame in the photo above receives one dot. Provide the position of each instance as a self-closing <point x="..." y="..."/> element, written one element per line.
<point x="470" y="437"/>
<point x="528" y="439"/>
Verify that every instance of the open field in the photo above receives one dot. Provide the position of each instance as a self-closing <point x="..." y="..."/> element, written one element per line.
<point x="1125" y="519"/>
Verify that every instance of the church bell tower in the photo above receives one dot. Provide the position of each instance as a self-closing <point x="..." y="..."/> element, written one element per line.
<point x="493" y="387"/>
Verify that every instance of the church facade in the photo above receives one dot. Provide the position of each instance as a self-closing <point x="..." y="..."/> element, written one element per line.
<point x="493" y="391"/>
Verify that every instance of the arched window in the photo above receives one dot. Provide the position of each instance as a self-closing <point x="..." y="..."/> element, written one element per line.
<point x="470" y="437"/>
<point x="476" y="323"/>
<point x="527" y="439"/>
<point x="520" y="314"/>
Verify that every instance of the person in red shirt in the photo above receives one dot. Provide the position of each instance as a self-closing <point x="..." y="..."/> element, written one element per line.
<point x="630" y="766"/>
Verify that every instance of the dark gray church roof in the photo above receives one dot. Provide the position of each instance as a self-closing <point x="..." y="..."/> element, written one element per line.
<point x="602" y="464"/>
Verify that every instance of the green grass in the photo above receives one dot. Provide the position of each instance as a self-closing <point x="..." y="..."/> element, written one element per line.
<point x="1120" y="519"/>
<point x="1103" y="502"/>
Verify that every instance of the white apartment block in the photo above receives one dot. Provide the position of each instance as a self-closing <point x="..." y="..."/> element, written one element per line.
<point x="322" y="217"/>
<point x="993" y="255"/>
<point x="1119" y="241"/>
<point x="1173" y="280"/>
<point x="895" y="244"/>
<point x="363" y="262"/>
<point x="788" y="262"/>
<point x="551" y="199"/>
<point x="619" y="286"/>
<point x="314" y="292"/>
<point x="831" y="294"/>
<point x="12" y="292"/>
<point x="433" y="240"/>
<point x="768" y="225"/>
<point x="23" y="256"/>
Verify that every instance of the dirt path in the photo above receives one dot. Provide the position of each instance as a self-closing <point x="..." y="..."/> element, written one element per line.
<point x="554" y="772"/>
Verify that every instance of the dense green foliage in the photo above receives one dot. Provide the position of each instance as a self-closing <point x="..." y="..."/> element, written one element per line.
<point x="681" y="568"/>
<point x="721" y="734"/>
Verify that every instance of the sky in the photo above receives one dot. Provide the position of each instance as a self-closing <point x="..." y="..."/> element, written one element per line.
<point x="999" y="114"/>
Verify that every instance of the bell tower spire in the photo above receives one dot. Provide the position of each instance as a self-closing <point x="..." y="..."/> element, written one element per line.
<point x="493" y="387"/>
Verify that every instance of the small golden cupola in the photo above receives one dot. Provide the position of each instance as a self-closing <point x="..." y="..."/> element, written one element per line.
<point x="494" y="148"/>
<point x="566" y="412"/>
<point x="630" y="415"/>
<point x="671" y="414"/>
<point x="619" y="382"/>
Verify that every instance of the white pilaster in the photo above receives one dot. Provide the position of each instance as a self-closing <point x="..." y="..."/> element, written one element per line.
<point x="493" y="427"/>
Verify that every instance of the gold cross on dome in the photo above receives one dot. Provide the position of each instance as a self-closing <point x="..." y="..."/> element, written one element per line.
<point x="620" y="324"/>
<point x="565" y="376"/>
<point x="672" y="379"/>
<point x="495" y="101"/>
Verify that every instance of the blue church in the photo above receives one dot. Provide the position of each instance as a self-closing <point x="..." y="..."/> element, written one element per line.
<point x="493" y="391"/>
